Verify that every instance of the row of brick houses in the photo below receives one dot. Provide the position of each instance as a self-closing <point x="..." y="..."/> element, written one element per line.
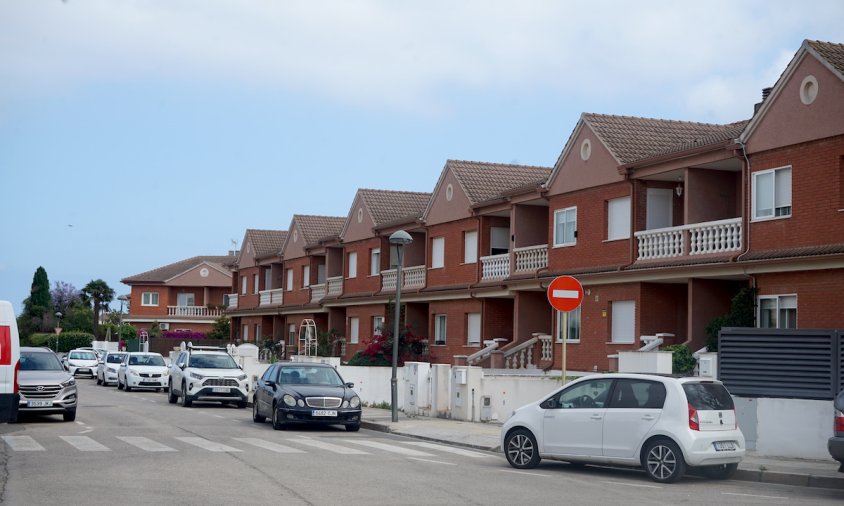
<point x="663" y="222"/>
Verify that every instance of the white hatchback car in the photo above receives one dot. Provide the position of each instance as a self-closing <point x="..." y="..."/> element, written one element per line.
<point x="82" y="362"/>
<point x="107" y="368"/>
<point x="661" y="423"/>
<point x="142" y="370"/>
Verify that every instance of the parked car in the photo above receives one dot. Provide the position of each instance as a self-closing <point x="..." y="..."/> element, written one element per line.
<point x="82" y="362"/>
<point x="46" y="387"/>
<point x="661" y="423"/>
<point x="142" y="370"/>
<point x="207" y="373"/>
<point x="836" y="442"/>
<point x="304" y="393"/>
<point x="107" y="367"/>
<point x="100" y="353"/>
<point x="9" y="360"/>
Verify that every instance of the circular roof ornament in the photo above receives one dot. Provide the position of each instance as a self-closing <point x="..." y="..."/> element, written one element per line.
<point x="808" y="90"/>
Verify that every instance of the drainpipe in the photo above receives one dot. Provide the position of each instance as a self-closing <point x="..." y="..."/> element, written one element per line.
<point x="746" y="204"/>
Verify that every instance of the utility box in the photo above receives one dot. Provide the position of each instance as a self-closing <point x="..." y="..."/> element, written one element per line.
<point x="416" y="388"/>
<point x="440" y="390"/>
<point x="486" y="408"/>
<point x="466" y="393"/>
<point x="707" y="364"/>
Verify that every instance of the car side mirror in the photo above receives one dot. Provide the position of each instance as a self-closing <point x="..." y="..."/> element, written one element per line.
<point x="350" y="385"/>
<point x="181" y="366"/>
<point x="66" y="368"/>
<point x="270" y="383"/>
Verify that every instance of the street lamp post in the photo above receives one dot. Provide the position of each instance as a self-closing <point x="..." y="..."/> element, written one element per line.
<point x="58" y="328"/>
<point x="122" y="299"/>
<point x="400" y="239"/>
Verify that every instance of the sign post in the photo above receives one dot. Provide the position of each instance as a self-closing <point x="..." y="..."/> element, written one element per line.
<point x="565" y="294"/>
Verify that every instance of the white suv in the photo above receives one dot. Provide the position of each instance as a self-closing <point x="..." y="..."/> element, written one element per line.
<point x="207" y="373"/>
<point x="661" y="423"/>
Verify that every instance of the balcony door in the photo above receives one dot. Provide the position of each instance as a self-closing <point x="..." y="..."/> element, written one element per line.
<point x="185" y="299"/>
<point x="660" y="208"/>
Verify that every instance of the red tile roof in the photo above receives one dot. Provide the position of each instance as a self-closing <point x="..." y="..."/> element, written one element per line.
<point x="388" y="205"/>
<point x="266" y="242"/>
<point x="831" y="52"/>
<point x="162" y="274"/>
<point x="482" y="181"/>
<point x="315" y="228"/>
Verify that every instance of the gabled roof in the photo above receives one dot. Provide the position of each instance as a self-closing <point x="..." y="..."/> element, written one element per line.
<point x="483" y="181"/>
<point x="167" y="272"/>
<point x="314" y="228"/>
<point x="389" y="206"/>
<point x="829" y="52"/>
<point x="266" y="242"/>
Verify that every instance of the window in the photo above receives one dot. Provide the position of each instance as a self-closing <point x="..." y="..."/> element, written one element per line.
<point x="354" y="330"/>
<point x="255" y="283"/>
<point x="586" y="395"/>
<point x="375" y="262"/>
<point x="473" y="329"/>
<point x="660" y="208"/>
<point x="439" y="329"/>
<point x="637" y="394"/>
<point x="185" y="299"/>
<point x="777" y="312"/>
<point x="243" y="282"/>
<point x="291" y="335"/>
<point x="565" y="226"/>
<point x="257" y="331"/>
<point x="377" y="325"/>
<point x="149" y="299"/>
<point x="499" y="240"/>
<point x="570" y="330"/>
<point x="437" y="252"/>
<point x="268" y="279"/>
<point x="623" y="321"/>
<point x="245" y="335"/>
<point x="772" y="193"/>
<point x="470" y="247"/>
<point x="353" y="264"/>
<point x="289" y="283"/>
<point x="306" y="276"/>
<point x="618" y="218"/>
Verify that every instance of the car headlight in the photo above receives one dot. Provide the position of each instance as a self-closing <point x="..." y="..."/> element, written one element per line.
<point x="242" y="377"/>
<point x="112" y="369"/>
<point x="133" y="372"/>
<point x="196" y="375"/>
<point x="69" y="382"/>
<point x="354" y="402"/>
<point x="289" y="400"/>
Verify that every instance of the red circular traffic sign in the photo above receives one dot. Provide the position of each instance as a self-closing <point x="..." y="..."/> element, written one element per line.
<point x="565" y="293"/>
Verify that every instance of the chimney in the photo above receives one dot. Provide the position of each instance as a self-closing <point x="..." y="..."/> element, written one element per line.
<point x="766" y="92"/>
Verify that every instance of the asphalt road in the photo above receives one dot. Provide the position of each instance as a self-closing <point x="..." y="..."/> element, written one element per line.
<point x="135" y="448"/>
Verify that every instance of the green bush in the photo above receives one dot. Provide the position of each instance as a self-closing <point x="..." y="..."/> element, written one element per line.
<point x="38" y="339"/>
<point x="682" y="360"/>
<point x="74" y="339"/>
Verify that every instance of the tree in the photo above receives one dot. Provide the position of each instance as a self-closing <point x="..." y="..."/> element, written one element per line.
<point x="100" y="295"/>
<point x="37" y="312"/>
<point x="221" y="328"/>
<point x="65" y="296"/>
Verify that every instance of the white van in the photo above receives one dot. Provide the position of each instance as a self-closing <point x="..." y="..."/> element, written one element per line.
<point x="9" y="363"/>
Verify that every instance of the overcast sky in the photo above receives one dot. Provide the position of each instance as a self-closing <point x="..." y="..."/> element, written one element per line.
<point x="134" y="134"/>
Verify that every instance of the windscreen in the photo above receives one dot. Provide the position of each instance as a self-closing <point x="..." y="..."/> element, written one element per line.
<point x="146" y="360"/>
<point x="114" y="358"/>
<point x="36" y="361"/>
<point x="708" y="396"/>
<point x="309" y="375"/>
<point x="209" y="361"/>
<point x="83" y="355"/>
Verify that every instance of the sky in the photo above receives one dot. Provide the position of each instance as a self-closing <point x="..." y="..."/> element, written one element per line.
<point x="134" y="134"/>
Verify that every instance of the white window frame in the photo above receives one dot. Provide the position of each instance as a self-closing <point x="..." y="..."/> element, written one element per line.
<point x="245" y="336"/>
<point x="473" y="329"/>
<point x="186" y="298"/>
<point x="353" y="264"/>
<point x="149" y="299"/>
<point x="289" y="283"/>
<point x="618" y="218"/>
<point x="569" y="216"/>
<point x="375" y="262"/>
<point x="781" y="194"/>
<point x="782" y="302"/>
<point x="306" y="276"/>
<point x="623" y="322"/>
<point x="470" y="247"/>
<point x="291" y="334"/>
<point x="243" y="282"/>
<point x="255" y="279"/>
<point x="440" y="329"/>
<point x="574" y="324"/>
<point x="377" y="325"/>
<point x="437" y="252"/>
<point x="354" y="330"/>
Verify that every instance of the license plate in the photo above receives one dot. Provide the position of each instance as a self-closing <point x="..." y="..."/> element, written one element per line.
<point x="39" y="404"/>
<point x="220" y="390"/>
<point x="324" y="412"/>
<point x="724" y="446"/>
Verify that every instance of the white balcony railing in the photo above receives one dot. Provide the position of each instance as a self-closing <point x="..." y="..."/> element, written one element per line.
<point x="232" y="301"/>
<point x="696" y="239"/>
<point x="200" y="311"/>
<point x="531" y="258"/>
<point x="274" y="297"/>
<point x="495" y="266"/>
<point x="411" y="278"/>
<point x="317" y="292"/>
<point x="334" y="286"/>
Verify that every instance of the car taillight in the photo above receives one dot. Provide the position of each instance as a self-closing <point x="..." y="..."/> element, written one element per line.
<point x="17" y="368"/>
<point x="838" y="425"/>
<point x="694" y="422"/>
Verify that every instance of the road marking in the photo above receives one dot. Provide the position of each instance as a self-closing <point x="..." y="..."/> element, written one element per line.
<point x="523" y="472"/>
<point x="330" y="447"/>
<point x="205" y="444"/>
<point x="85" y="444"/>
<point x="268" y="445"/>
<point x="79" y="423"/>
<point x="85" y="431"/>
<point x="146" y="444"/>
<point x="23" y="444"/>
<point x="389" y="448"/>
<point x="639" y="485"/>
<point x="218" y="416"/>
<point x="443" y="448"/>
<point x="433" y="461"/>
<point x="755" y="495"/>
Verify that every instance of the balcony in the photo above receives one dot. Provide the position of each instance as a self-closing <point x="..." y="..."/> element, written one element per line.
<point x="334" y="286"/>
<point x="274" y="297"/>
<point x="317" y="292"/>
<point x="495" y="267"/>
<point x="531" y="258"/>
<point x="411" y="277"/>
<point x="698" y="239"/>
<point x="232" y="301"/>
<point x="195" y="311"/>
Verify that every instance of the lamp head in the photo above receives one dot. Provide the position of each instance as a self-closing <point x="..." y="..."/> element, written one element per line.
<point x="400" y="238"/>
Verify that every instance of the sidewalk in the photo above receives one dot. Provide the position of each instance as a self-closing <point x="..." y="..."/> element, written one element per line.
<point x="485" y="436"/>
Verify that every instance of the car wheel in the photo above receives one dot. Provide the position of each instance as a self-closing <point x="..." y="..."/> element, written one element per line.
<point x="521" y="449"/>
<point x="186" y="400"/>
<point x="353" y="427"/>
<point x="171" y="397"/>
<point x="240" y="404"/>
<point x="256" y="416"/>
<point x="663" y="461"/>
<point x="277" y="424"/>
<point x="721" y="472"/>
<point x="69" y="416"/>
<point x="119" y="384"/>
<point x="126" y="386"/>
<point x="99" y="381"/>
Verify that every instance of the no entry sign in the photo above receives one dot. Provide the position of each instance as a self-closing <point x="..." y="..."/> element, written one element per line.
<point x="565" y="293"/>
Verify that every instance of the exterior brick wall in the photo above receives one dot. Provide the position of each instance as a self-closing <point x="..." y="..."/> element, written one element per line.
<point x="299" y="295"/>
<point x="456" y="326"/>
<point x="455" y="271"/>
<point x="819" y="301"/>
<point x="364" y="283"/>
<point x="364" y="314"/>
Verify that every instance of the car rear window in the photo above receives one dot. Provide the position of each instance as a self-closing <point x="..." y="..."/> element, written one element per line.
<point x="708" y="396"/>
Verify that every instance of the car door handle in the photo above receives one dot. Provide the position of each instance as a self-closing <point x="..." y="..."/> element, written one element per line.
<point x="648" y="417"/>
<point x="596" y="416"/>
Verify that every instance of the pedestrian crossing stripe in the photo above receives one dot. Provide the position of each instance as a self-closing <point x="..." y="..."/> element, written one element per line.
<point x="390" y="448"/>
<point x="23" y="444"/>
<point x="85" y="444"/>
<point x="207" y="444"/>
<point x="146" y="444"/>
<point x="268" y="445"/>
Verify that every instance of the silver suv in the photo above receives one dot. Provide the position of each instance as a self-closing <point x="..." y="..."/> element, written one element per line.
<point x="207" y="373"/>
<point x="45" y="385"/>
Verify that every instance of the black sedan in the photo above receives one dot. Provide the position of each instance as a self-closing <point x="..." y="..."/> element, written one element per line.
<point x="304" y="393"/>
